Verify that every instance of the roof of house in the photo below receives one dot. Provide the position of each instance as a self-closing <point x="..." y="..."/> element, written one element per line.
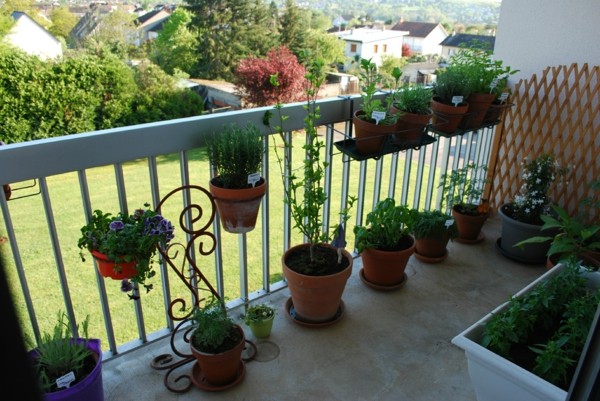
<point x="468" y="40"/>
<point x="368" y="35"/>
<point x="417" y="29"/>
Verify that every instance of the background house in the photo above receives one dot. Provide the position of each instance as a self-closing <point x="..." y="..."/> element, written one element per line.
<point x="453" y="43"/>
<point x="150" y="23"/>
<point x="32" y="38"/>
<point x="370" y="44"/>
<point x="423" y="37"/>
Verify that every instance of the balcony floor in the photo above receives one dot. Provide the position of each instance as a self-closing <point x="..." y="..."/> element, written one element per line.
<point x="387" y="346"/>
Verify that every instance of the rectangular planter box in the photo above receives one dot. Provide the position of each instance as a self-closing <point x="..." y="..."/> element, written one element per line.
<point x="497" y="379"/>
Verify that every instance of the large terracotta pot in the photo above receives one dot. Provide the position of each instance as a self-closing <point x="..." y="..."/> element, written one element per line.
<point x="116" y="271"/>
<point x="447" y="117"/>
<point x="513" y="232"/>
<point x="238" y="208"/>
<point x="221" y="369"/>
<point x="410" y="127"/>
<point x="316" y="299"/>
<point x="479" y="104"/>
<point x="370" y="137"/>
<point x="386" y="268"/>
<point x="469" y="227"/>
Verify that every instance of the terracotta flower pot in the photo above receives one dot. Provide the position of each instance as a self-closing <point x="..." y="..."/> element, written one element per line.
<point x="410" y="127"/>
<point x="479" y="104"/>
<point x="316" y="299"/>
<point x="238" y="208"/>
<point x="447" y="117"/>
<point x="370" y="137"/>
<point x="116" y="271"/>
<point x="386" y="268"/>
<point x="432" y="250"/>
<point x="495" y="113"/>
<point x="469" y="227"/>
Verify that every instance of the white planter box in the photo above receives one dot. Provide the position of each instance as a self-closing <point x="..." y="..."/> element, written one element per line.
<point x="497" y="379"/>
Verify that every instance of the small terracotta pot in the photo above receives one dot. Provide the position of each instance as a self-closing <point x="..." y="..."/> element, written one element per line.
<point x="479" y="104"/>
<point x="410" y="127"/>
<point x="370" y="137"/>
<point x="447" y="117"/>
<point x="386" y="268"/>
<point x="468" y="226"/>
<point x="238" y="208"/>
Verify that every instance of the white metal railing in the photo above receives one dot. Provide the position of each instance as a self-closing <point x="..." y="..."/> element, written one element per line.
<point x="41" y="166"/>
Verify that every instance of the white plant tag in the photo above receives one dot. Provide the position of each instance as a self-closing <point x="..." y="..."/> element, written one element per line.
<point x="253" y="179"/>
<point x="456" y="100"/>
<point x="66" y="380"/>
<point x="503" y="97"/>
<point x="493" y="84"/>
<point x="449" y="222"/>
<point x="378" y="116"/>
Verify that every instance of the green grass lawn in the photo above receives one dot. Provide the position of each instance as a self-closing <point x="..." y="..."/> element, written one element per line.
<point x="40" y="263"/>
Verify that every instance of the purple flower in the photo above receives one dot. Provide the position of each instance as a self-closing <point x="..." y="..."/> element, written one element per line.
<point x="116" y="225"/>
<point x="126" y="285"/>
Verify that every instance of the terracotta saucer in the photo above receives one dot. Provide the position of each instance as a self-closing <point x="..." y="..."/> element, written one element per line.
<point x="291" y="313"/>
<point x="516" y="258"/>
<point x="428" y="259"/>
<point x="200" y="382"/>
<point x="383" y="287"/>
<point x="480" y="237"/>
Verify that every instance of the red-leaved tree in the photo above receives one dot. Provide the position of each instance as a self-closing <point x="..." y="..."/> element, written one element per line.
<point x="254" y="75"/>
<point x="406" y="50"/>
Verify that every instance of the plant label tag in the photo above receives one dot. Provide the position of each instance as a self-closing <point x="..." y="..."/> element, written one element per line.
<point x="456" y="100"/>
<point x="449" y="222"/>
<point x="66" y="380"/>
<point x="493" y="84"/>
<point x="378" y="116"/>
<point x="253" y="179"/>
<point x="503" y="97"/>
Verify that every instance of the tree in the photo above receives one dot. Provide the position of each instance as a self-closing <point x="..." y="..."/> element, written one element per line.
<point x="62" y="21"/>
<point x="254" y="78"/>
<point x="292" y="28"/>
<point x="115" y="31"/>
<point x="406" y="50"/>
<point x="175" y="47"/>
<point x="323" y="46"/>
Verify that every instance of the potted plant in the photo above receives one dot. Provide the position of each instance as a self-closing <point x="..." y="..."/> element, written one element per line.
<point x="260" y="319"/>
<point x="316" y="272"/>
<point x="217" y="343"/>
<point x="124" y="246"/>
<point x="432" y="230"/>
<point x="461" y="192"/>
<point x="68" y="368"/>
<point x="521" y="218"/>
<point x="236" y="153"/>
<point x="374" y="121"/>
<point x="385" y="244"/>
<point x="527" y="349"/>
<point x="450" y="90"/>
<point x="413" y="104"/>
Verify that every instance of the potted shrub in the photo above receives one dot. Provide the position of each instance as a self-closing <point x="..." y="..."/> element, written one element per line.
<point x="461" y="192"/>
<point x="385" y="244"/>
<point x="316" y="272"/>
<point x="124" y="246"/>
<point x="413" y="105"/>
<point x="68" y="368"/>
<point x="521" y="218"/>
<point x="450" y="90"/>
<point x="217" y="343"/>
<point x="260" y="319"/>
<point x="432" y="230"/>
<point x="374" y="121"/>
<point x="236" y="153"/>
<point x="527" y="349"/>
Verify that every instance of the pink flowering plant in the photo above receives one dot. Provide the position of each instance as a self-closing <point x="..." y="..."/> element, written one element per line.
<point x="533" y="199"/>
<point x="127" y="238"/>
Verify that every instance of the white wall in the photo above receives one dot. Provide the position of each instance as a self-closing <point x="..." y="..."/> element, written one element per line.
<point x="33" y="39"/>
<point x="535" y="34"/>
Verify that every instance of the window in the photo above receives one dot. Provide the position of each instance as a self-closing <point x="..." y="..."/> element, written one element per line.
<point x="375" y="48"/>
<point x="385" y="48"/>
<point x="353" y="47"/>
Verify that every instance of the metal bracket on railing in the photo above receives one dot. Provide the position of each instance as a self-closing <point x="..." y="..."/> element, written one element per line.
<point x="10" y="190"/>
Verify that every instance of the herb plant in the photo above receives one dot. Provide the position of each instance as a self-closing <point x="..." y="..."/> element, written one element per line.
<point x="258" y="313"/>
<point x="433" y="224"/>
<point x="236" y="152"/>
<point x="415" y="99"/>
<point x="451" y="81"/>
<point x="463" y="188"/>
<point x="370" y="82"/>
<point x="127" y="238"/>
<point x="215" y="331"/>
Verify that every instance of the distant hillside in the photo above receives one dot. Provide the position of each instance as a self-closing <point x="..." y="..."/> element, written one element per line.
<point x="445" y="11"/>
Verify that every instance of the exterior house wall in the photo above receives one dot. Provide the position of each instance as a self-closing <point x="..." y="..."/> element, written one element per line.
<point x="431" y="44"/>
<point x="29" y="36"/>
<point x="541" y="30"/>
<point x="371" y="44"/>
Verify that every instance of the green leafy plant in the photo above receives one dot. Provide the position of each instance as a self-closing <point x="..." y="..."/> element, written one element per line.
<point x="58" y="353"/>
<point x="305" y="193"/>
<point x="258" y="313"/>
<point x="415" y="99"/>
<point x="451" y="81"/>
<point x="370" y="82"/>
<point x="462" y="188"/>
<point x="214" y="331"/>
<point x="545" y="329"/>
<point x="386" y="228"/>
<point x="236" y="152"/>
<point x="433" y="224"/>
<point x="128" y="238"/>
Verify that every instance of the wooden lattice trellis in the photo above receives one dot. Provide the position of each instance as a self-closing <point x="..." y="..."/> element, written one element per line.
<point x="557" y="114"/>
